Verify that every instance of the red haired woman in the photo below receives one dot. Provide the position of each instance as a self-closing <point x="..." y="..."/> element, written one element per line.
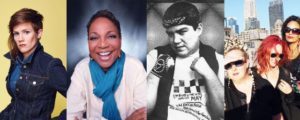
<point x="271" y="55"/>
<point x="247" y="97"/>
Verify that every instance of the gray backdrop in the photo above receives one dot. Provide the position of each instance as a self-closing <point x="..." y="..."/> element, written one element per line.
<point x="132" y="17"/>
<point x="212" y="12"/>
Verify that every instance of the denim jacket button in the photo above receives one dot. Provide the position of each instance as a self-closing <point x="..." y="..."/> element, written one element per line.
<point x="17" y="89"/>
<point x="24" y="66"/>
<point x="34" y="82"/>
<point x="21" y="77"/>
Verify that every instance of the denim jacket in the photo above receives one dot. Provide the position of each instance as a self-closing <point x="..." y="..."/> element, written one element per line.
<point x="36" y="88"/>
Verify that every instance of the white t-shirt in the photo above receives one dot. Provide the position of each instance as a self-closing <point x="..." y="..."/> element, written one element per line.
<point x="188" y="96"/>
<point x="130" y="95"/>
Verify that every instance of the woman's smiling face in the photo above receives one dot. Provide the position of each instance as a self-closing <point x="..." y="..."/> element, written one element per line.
<point x="104" y="42"/>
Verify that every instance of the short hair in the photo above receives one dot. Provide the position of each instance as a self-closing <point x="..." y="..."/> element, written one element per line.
<point x="105" y="14"/>
<point x="264" y="51"/>
<point x="284" y="25"/>
<point x="25" y="15"/>
<point x="245" y="55"/>
<point x="181" y="13"/>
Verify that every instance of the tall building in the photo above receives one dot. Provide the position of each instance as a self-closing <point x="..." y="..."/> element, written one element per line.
<point x="251" y="21"/>
<point x="275" y="12"/>
<point x="232" y="23"/>
<point x="250" y="9"/>
<point x="225" y="22"/>
<point x="252" y="40"/>
<point x="277" y="28"/>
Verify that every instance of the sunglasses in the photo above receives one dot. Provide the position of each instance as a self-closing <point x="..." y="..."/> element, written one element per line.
<point x="237" y="63"/>
<point x="294" y="30"/>
<point x="273" y="55"/>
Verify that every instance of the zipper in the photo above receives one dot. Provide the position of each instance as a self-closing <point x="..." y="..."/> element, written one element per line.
<point x="253" y="88"/>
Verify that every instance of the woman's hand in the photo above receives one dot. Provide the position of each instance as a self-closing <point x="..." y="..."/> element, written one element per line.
<point x="139" y="114"/>
<point x="284" y="87"/>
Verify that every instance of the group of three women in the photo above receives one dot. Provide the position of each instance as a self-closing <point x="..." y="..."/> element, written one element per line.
<point x="269" y="90"/>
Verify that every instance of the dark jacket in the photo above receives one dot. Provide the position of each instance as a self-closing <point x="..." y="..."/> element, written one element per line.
<point x="290" y="109"/>
<point x="264" y="104"/>
<point x="36" y="88"/>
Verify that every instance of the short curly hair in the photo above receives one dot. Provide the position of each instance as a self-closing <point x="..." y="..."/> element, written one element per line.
<point x="106" y="14"/>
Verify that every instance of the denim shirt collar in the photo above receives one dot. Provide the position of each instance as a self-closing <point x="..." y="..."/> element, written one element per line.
<point x="20" y="59"/>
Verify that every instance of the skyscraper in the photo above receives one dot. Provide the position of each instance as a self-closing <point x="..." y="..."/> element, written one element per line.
<point x="251" y="21"/>
<point x="250" y="9"/>
<point x="232" y="23"/>
<point x="275" y="12"/>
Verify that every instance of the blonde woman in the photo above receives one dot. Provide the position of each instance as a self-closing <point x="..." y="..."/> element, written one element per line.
<point x="246" y="96"/>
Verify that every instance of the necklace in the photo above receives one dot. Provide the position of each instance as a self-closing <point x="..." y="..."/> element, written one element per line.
<point x="253" y="83"/>
<point x="271" y="74"/>
<point x="266" y="76"/>
<point x="252" y="91"/>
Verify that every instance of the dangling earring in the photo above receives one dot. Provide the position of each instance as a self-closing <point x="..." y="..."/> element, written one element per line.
<point x="227" y="77"/>
<point x="253" y="85"/>
<point x="250" y="72"/>
<point x="91" y="57"/>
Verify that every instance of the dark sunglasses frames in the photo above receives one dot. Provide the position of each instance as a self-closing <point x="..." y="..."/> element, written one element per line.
<point x="237" y="63"/>
<point x="294" y="30"/>
<point x="273" y="55"/>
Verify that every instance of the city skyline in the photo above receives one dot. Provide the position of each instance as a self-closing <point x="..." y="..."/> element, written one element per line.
<point x="235" y="8"/>
<point x="233" y="24"/>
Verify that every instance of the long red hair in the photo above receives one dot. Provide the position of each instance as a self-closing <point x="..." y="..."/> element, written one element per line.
<point x="264" y="51"/>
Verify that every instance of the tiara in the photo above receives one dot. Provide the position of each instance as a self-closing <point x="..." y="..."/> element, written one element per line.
<point x="233" y="42"/>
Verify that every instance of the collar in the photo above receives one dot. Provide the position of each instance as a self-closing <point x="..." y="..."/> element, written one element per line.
<point x="21" y="59"/>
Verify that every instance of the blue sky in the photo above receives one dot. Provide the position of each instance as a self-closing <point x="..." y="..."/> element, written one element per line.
<point x="235" y="8"/>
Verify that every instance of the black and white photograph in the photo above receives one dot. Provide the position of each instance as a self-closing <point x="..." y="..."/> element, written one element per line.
<point x="185" y="74"/>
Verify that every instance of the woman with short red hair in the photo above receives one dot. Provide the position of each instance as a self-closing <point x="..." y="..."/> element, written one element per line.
<point x="271" y="55"/>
